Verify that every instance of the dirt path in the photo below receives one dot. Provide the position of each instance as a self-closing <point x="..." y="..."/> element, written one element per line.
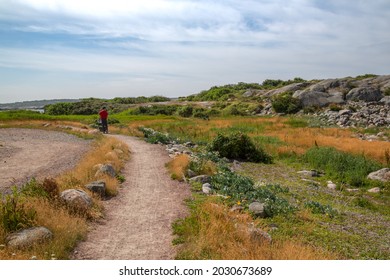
<point x="27" y="153"/>
<point x="138" y="221"/>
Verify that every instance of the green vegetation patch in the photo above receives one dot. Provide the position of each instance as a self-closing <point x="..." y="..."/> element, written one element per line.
<point x="344" y="167"/>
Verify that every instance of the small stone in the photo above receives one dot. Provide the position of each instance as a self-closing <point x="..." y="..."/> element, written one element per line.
<point x="374" y="190"/>
<point x="206" y="188"/>
<point x="331" y="185"/>
<point x="257" y="209"/>
<point x="236" y="208"/>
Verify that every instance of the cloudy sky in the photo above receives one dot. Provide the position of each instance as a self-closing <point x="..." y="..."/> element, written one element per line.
<point x="106" y="48"/>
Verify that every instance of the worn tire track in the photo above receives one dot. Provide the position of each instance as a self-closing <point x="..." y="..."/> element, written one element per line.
<point x="138" y="221"/>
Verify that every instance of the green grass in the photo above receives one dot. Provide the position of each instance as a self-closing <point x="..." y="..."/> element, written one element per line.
<point x="343" y="167"/>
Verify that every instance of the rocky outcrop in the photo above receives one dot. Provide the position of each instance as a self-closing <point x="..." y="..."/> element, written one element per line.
<point x="28" y="237"/>
<point x="366" y="94"/>
<point x="319" y="98"/>
<point x="361" y="101"/>
<point x="358" y="114"/>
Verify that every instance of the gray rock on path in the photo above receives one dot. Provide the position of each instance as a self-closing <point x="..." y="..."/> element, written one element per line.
<point x="381" y="175"/>
<point x="77" y="199"/>
<point x="28" y="237"/>
<point x="98" y="187"/>
<point x="107" y="169"/>
<point x="257" y="209"/>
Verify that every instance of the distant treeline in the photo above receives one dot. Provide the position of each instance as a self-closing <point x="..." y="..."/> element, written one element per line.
<point x="91" y="106"/>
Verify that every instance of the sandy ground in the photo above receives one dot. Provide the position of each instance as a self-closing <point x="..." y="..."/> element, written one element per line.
<point x="28" y="153"/>
<point x="138" y="223"/>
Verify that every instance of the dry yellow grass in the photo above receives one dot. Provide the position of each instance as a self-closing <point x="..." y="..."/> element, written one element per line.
<point x="226" y="235"/>
<point x="178" y="166"/>
<point x="301" y="139"/>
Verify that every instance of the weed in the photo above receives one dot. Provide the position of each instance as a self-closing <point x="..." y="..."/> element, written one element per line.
<point x="14" y="214"/>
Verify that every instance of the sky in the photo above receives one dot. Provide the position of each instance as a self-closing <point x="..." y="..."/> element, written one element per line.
<point x="52" y="49"/>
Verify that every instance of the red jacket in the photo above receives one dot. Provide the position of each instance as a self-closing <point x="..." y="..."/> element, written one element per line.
<point x="103" y="114"/>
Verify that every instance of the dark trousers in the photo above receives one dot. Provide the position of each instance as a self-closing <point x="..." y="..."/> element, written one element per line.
<point x="104" y="125"/>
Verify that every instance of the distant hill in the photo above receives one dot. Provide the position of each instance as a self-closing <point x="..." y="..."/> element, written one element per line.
<point x="36" y="104"/>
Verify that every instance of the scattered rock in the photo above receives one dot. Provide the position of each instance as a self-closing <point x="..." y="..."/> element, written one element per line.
<point x="374" y="190"/>
<point x="309" y="173"/>
<point x="77" y="199"/>
<point x="258" y="234"/>
<point x="98" y="187"/>
<point x="381" y="175"/>
<point x="106" y="169"/>
<point x="206" y="188"/>
<point x="352" y="190"/>
<point x="190" y="173"/>
<point x="28" y="237"/>
<point x="236" y="208"/>
<point x="331" y="185"/>
<point x="201" y="179"/>
<point x="257" y="209"/>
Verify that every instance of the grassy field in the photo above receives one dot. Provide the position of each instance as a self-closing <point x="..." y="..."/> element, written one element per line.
<point x="346" y="223"/>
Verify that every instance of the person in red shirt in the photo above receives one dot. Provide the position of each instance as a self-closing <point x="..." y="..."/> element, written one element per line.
<point x="103" y="119"/>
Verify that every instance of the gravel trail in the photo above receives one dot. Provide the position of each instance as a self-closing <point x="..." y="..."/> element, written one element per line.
<point x="138" y="221"/>
<point x="28" y="153"/>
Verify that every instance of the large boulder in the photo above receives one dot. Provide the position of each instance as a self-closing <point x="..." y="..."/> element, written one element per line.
<point x="318" y="98"/>
<point x="76" y="199"/>
<point x="366" y="94"/>
<point x="381" y="175"/>
<point x="28" y="237"/>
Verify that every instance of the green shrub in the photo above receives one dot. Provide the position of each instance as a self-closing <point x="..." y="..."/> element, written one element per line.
<point x="318" y="208"/>
<point x="286" y="103"/>
<point x="238" y="146"/>
<point x="344" y="167"/>
<point x="14" y="215"/>
<point x="185" y="111"/>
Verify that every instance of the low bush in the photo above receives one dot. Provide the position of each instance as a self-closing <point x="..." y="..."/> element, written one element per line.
<point x="286" y="103"/>
<point x="238" y="146"/>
